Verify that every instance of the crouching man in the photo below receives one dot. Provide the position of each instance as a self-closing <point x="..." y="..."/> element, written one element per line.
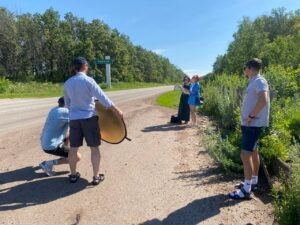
<point x="54" y="138"/>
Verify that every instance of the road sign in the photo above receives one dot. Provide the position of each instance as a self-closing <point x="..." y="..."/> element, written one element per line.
<point x="103" y="61"/>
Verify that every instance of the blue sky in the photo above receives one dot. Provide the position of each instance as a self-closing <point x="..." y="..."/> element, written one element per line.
<point x="191" y="33"/>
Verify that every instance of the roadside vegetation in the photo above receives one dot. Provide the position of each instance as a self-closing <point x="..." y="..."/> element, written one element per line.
<point x="275" y="39"/>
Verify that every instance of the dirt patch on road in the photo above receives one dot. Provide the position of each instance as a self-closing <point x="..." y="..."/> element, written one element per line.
<point x="164" y="176"/>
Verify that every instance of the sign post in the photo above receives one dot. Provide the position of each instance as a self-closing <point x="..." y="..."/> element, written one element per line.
<point x="108" y="74"/>
<point x="107" y="62"/>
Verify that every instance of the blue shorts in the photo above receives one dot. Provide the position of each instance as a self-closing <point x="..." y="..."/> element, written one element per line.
<point x="250" y="137"/>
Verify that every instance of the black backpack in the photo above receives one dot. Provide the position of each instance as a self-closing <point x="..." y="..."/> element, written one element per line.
<point x="174" y="119"/>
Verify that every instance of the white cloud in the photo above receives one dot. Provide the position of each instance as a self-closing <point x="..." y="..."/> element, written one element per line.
<point x="191" y="72"/>
<point x="159" y="51"/>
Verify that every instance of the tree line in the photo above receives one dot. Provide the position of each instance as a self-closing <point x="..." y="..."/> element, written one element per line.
<point x="273" y="38"/>
<point x="40" y="47"/>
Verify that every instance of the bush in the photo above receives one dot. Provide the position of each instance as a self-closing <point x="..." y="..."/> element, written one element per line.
<point x="283" y="82"/>
<point x="223" y="99"/>
<point x="294" y="126"/>
<point x="284" y="126"/>
<point x="104" y="86"/>
<point x="4" y="85"/>
<point x="221" y="150"/>
<point x="272" y="146"/>
<point x="287" y="200"/>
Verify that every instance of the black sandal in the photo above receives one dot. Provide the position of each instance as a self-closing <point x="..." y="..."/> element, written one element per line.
<point x="235" y="196"/>
<point x="98" y="179"/>
<point x="74" y="178"/>
<point x="254" y="187"/>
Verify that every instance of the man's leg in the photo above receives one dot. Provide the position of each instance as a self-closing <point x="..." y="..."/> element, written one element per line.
<point x="256" y="165"/>
<point x="247" y="164"/>
<point x="244" y="191"/>
<point x="61" y="161"/>
<point x="95" y="159"/>
<point x="73" y="159"/>
<point x="64" y="160"/>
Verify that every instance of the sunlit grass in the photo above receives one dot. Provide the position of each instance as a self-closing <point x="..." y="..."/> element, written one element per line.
<point x="169" y="99"/>
<point x="43" y="90"/>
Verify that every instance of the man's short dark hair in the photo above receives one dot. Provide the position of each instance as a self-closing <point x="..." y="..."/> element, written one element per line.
<point x="254" y="64"/>
<point x="79" y="61"/>
<point x="61" y="101"/>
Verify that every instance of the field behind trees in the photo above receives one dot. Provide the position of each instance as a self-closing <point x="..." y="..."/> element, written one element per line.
<point x="40" y="47"/>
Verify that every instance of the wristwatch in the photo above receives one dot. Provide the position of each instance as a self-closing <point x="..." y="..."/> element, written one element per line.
<point x="251" y="116"/>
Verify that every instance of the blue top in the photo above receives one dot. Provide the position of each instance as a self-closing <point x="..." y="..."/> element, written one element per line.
<point x="194" y="94"/>
<point x="80" y="92"/>
<point x="55" y="128"/>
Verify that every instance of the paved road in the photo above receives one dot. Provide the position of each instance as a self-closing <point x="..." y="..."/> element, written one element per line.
<point x="18" y="113"/>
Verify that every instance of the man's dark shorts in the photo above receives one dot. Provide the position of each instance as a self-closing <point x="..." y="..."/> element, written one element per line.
<point x="61" y="150"/>
<point x="87" y="128"/>
<point x="250" y="137"/>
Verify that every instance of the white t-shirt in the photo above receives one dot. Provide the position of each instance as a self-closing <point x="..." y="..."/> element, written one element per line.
<point x="256" y="85"/>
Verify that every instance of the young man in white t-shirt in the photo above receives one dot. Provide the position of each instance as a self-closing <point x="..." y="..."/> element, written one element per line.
<point x="254" y="116"/>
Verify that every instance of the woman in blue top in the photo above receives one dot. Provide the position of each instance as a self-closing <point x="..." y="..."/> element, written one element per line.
<point x="194" y="98"/>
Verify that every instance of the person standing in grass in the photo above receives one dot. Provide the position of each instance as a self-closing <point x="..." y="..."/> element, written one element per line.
<point x="80" y="93"/>
<point x="254" y="116"/>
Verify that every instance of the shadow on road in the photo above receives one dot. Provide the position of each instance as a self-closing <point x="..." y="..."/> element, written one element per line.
<point x="36" y="192"/>
<point x="195" y="212"/>
<point x="211" y="175"/>
<point x="24" y="174"/>
<point x="164" y="127"/>
<point x="214" y="175"/>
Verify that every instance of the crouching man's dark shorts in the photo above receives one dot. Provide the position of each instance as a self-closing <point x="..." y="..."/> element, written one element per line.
<point x="87" y="128"/>
<point x="250" y="137"/>
<point x="61" y="150"/>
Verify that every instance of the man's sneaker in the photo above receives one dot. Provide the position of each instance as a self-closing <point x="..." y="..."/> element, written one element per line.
<point x="47" y="168"/>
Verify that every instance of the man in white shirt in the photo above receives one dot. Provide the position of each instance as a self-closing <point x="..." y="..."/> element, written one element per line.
<point x="80" y="93"/>
<point x="254" y="116"/>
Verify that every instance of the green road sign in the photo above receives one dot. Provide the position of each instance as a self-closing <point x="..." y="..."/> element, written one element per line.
<point x="103" y="61"/>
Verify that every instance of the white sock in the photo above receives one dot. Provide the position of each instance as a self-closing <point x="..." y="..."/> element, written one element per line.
<point x="247" y="185"/>
<point x="254" y="180"/>
<point x="240" y="193"/>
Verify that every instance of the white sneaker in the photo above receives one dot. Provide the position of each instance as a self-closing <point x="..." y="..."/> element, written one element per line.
<point x="47" y="168"/>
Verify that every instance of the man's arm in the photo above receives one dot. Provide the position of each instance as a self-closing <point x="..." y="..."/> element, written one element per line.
<point x="99" y="94"/>
<point x="104" y="100"/>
